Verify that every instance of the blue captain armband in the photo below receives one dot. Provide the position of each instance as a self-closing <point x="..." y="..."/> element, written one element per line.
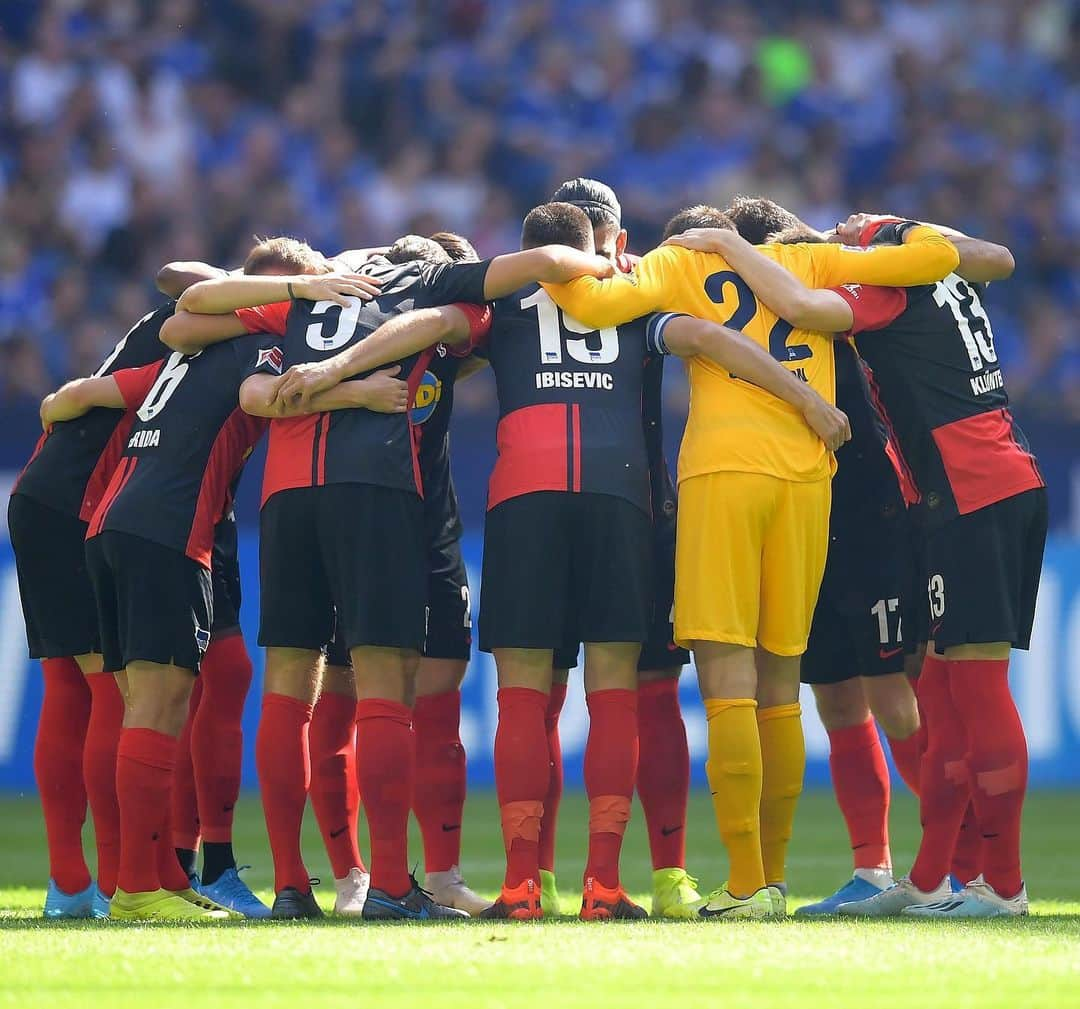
<point x="654" y="331"/>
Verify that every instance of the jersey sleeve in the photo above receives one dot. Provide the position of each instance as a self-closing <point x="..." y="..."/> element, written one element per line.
<point x="618" y="299"/>
<point x="654" y="331"/>
<point x="451" y="283"/>
<point x="263" y="355"/>
<point x="135" y="383"/>
<point x="479" y="317"/>
<point x="872" y="307"/>
<point x="273" y="318"/>
<point x="925" y="258"/>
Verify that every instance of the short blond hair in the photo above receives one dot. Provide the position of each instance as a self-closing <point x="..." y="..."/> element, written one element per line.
<point x="291" y="255"/>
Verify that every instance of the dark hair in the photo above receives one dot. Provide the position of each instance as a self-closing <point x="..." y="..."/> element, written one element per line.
<point x="756" y="218"/>
<point x="457" y="247"/>
<point x="797" y="234"/>
<point x="284" y="253"/>
<point x="410" y="248"/>
<point x="556" y="224"/>
<point x="596" y="198"/>
<point x="698" y="216"/>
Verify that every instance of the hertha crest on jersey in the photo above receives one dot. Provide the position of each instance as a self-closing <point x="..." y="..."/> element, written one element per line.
<point x="272" y="357"/>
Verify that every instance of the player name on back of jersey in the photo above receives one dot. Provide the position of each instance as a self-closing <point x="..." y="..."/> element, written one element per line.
<point x="574" y="380"/>
<point x="989" y="382"/>
<point x="146" y="438"/>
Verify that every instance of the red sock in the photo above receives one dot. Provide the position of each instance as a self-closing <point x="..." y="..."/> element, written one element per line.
<point x="171" y="873"/>
<point x="549" y="822"/>
<point x="997" y="760"/>
<point x="860" y="779"/>
<point x="521" y="779"/>
<point x="217" y="741"/>
<point x="967" y="860"/>
<point x="439" y="794"/>
<point x="281" y="758"/>
<point x="611" y="757"/>
<point x="184" y="815"/>
<point x="144" y="769"/>
<point x="663" y="771"/>
<point x="58" y="757"/>
<point x="99" y="774"/>
<point x="335" y="794"/>
<point x="943" y="776"/>
<point x="907" y="755"/>
<point x="386" y="771"/>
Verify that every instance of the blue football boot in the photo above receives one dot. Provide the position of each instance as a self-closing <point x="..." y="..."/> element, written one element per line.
<point x="854" y="889"/>
<point x="230" y="891"/>
<point x="60" y="905"/>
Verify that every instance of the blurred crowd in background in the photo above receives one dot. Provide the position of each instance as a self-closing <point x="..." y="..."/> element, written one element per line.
<point x="133" y="132"/>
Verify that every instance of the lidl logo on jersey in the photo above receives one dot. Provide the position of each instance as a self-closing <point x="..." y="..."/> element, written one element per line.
<point x="428" y="394"/>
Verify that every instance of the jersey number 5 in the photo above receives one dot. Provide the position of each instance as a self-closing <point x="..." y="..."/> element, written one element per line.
<point x="552" y="324"/>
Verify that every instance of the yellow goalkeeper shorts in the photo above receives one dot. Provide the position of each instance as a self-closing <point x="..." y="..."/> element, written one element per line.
<point x="749" y="558"/>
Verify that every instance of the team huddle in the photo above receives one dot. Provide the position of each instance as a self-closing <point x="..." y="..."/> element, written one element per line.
<point x="855" y="509"/>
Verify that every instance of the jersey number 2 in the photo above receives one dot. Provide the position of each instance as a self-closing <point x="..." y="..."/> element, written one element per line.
<point x="746" y="308"/>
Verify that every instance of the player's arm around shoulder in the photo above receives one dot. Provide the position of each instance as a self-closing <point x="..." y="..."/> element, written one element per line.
<point x="79" y="397"/>
<point x="396" y="339"/>
<point x="382" y="392"/>
<point x="686" y="336"/>
<point x="913" y="254"/>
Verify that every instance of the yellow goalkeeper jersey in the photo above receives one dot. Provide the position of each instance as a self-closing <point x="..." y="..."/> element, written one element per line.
<point x="733" y="425"/>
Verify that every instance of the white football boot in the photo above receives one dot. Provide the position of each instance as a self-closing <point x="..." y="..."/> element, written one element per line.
<point x="895" y="899"/>
<point x="351" y="893"/>
<point x="977" y="900"/>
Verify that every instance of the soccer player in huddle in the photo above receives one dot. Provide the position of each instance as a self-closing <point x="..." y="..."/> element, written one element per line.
<point x="569" y="497"/>
<point x="865" y="623"/>
<point x="983" y="518"/>
<point x="342" y="498"/>
<point x="663" y="770"/>
<point x="752" y="531"/>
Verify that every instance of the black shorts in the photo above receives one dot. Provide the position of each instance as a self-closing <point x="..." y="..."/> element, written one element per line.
<point x="983" y="573"/>
<point x="562" y="567"/>
<point x="154" y="603"/>
<point x="659" y="650"/>
<point x="860" y="625"/>
<point x="355" y="548"/>
<point x="54" y="585"/>
<point x="449" y="622"/>
<point x="225" y="570"/>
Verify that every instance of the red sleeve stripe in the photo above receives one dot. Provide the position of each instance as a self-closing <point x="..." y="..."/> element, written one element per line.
<point x="105" y="466"/>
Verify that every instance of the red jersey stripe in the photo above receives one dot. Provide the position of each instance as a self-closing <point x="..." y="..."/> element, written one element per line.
<point x="105" y="466"/>
<point x="904" y="475"/>
<point x="121" y="475"/>
<point x="543" y="465"/>
<point x="230" y="448"/>
<point x="575" y="435"/>
<point x="289" y="454"/>
<point x="33" y="455"/>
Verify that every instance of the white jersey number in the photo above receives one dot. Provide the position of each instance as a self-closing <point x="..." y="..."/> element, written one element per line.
<point x="971" y="319"/>
<point x="176" y="367"/>
<point x="553" y="321"/>
<point x="346" y="325"/>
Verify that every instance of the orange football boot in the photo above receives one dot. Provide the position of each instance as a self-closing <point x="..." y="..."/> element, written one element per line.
<point x="600" y="903"/>
<point x="521" y="903"/>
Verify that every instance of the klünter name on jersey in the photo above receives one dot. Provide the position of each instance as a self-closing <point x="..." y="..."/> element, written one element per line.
<point x="982" y="384"/>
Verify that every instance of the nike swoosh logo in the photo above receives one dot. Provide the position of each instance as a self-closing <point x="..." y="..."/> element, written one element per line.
<point x="668" y="831"/>
<point x="891" y="653"/>
<point x="227" y="809"/>
<point x="338" y="833"/>
<point x="450" y="827"/>
<point x="716" y="912"/>
<point x="399" y="907"/>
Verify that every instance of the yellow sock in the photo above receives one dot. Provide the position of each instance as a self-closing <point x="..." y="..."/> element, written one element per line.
<point x="783" y="761"/>
<point x="734" y="770"/>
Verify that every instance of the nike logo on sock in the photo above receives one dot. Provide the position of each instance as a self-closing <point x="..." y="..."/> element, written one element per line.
<point x="449" y="827"/>
<point x="668" y="831"/>
<point x="338" y="833"/>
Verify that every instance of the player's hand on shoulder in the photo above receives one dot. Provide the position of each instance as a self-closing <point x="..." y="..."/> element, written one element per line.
<point x="828" y="422"/>
<point x="336" y="287"/>
<point x="43" y="412"/>
<point x="302" y="381"/>
<point x="382" y="392"/>
<point x="850" y="231"/>
<point x="702" y="239"/>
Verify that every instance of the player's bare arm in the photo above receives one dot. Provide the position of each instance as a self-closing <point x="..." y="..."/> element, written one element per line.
<point x="189" y="332"/>
<point x="173" y="279"/>
<point x="227" y="294"/>
<point x="79" y="397"/>
<point x="547" y="264"/>
<point x="382" y="392"/>
<point x="686" y="336"/>
<point x="778" y="288"/>
<point x="395" y="340"/>
<point x="980" y="261"/>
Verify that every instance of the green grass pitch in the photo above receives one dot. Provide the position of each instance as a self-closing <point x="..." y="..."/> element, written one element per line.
<point x="560" y="964"/>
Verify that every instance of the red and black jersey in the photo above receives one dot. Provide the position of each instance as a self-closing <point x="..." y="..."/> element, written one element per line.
<point x="357" y="446"/>
<point x="73" y="461"/>
<point x="186" y="445"/>
<point x="570" y="402"/>
<point x="935" y="372"/>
